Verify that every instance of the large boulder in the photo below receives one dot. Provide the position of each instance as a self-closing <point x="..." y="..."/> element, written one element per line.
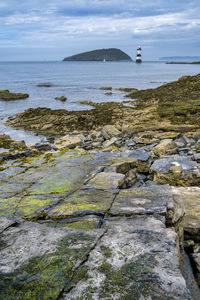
<point x="176" y="170"/>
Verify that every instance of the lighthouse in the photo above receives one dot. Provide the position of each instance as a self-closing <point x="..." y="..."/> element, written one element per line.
<point x="138" y="57"/>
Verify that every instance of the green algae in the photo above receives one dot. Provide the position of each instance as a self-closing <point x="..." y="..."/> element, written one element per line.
<point x="83" y="225"/>
<point x="132" y="280"/>
<point x="96" y="201"/>
<point x="48" y="274"/>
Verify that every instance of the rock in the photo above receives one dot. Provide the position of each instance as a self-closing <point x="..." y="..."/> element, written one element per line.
<point x="106" y="88"/>
<point x="135" y="259"/>
<point x="147" y="138"/>
<point x="140" y="154"/>
<point x="191" y="199"/>
<point x="165" y="146"/>
<point x="196" y="157"/>
<point x="6" y="95"/>
<point x="70" y="141"/>
<point x="110" y="142"/>
<point x="45" y="85"/>
<point x="109" y="131"/>
<point x="108" y="93"/>
<point x="180" y="142"/>
<point x="177" y="171"/>
<point x="143" y="158"/>
<point x="7" y="143"/>
<point x="15" y="155"/>
<point x="62" y="98"/>
<point x="198" y="146"/>
<point x="150" y="200"/>
<point x="83" y="202"/>
<point x="189" y="141"/>
<point x="109" y="180"/>
<point x="130" y="143"/>
<point x="37" y="261"/>
<point x="42" y="147"/>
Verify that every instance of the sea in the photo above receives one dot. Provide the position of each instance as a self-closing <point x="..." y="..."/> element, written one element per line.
<point x="77" y="81"/>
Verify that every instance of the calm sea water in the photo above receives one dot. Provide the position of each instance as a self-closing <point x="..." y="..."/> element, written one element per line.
<point x="77" y="81"/>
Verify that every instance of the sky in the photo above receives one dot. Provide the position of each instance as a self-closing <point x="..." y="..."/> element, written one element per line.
<point x="32" y="30"/>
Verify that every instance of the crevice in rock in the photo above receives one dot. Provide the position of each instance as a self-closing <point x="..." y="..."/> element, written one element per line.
<point x="79" y="266"/>
<point x="99" y="170"/>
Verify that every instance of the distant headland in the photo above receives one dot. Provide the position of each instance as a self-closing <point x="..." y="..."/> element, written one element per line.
<point x="111" y="54"/>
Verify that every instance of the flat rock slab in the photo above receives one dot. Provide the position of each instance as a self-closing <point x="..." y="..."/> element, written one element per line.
<point x="135" y="259"/>
<point x="83" y="202"/>
<point x="37" y="262"/>
<point x="106" y="181"/>
<point x="31" y="186"/>
<point x="155" y="199"/>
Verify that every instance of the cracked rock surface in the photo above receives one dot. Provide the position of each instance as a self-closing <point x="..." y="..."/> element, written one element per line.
<point x="71" y="229"/>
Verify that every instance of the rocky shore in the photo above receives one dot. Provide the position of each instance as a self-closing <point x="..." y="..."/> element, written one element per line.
<point x="109" y="208"/>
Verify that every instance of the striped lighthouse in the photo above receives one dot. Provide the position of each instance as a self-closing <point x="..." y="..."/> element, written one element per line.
<point x="138" y="57"/>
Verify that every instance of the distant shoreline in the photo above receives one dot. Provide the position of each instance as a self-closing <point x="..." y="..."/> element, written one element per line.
<point x="182" y="63"/>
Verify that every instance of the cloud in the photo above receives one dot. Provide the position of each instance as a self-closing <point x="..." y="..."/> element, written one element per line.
<point x="118" y="23"/>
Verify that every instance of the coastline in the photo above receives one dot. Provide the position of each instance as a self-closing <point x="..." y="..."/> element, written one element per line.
<point x="117" y="193"/>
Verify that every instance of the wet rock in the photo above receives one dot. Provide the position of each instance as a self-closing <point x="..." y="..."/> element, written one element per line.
<point x="45" y="85"/>
<point x="15" y="155"/>
<point x="7" y="143"/>
<point x="61" y="98"/>
<point x="6" y="95"/>
<point x="42" y="147"/>
<point x="106" y="88"/>
<point x="177" y="171"/>
<point x="166" y="145"/>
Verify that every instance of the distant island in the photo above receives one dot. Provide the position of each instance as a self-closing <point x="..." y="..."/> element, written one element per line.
<point x="111" y="54"/>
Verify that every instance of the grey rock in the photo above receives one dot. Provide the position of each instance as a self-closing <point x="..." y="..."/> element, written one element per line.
<point x="140" y="154"/>
<point x="177" y="170"/>
<point x="135" y="259"/>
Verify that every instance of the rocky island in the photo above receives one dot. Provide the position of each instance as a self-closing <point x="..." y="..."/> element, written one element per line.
<point x="109" y="209"/>
<point x="111" y="54"/>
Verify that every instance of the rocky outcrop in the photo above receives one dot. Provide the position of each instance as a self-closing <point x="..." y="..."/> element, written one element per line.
<point x="7" y="95"/>
<point x="96" y="226"/>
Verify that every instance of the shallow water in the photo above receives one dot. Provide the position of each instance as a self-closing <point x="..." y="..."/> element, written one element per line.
<point x="77" y="81"/>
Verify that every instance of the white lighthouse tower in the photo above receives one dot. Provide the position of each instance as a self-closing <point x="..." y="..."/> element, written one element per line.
<point x="138" y="57"/>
